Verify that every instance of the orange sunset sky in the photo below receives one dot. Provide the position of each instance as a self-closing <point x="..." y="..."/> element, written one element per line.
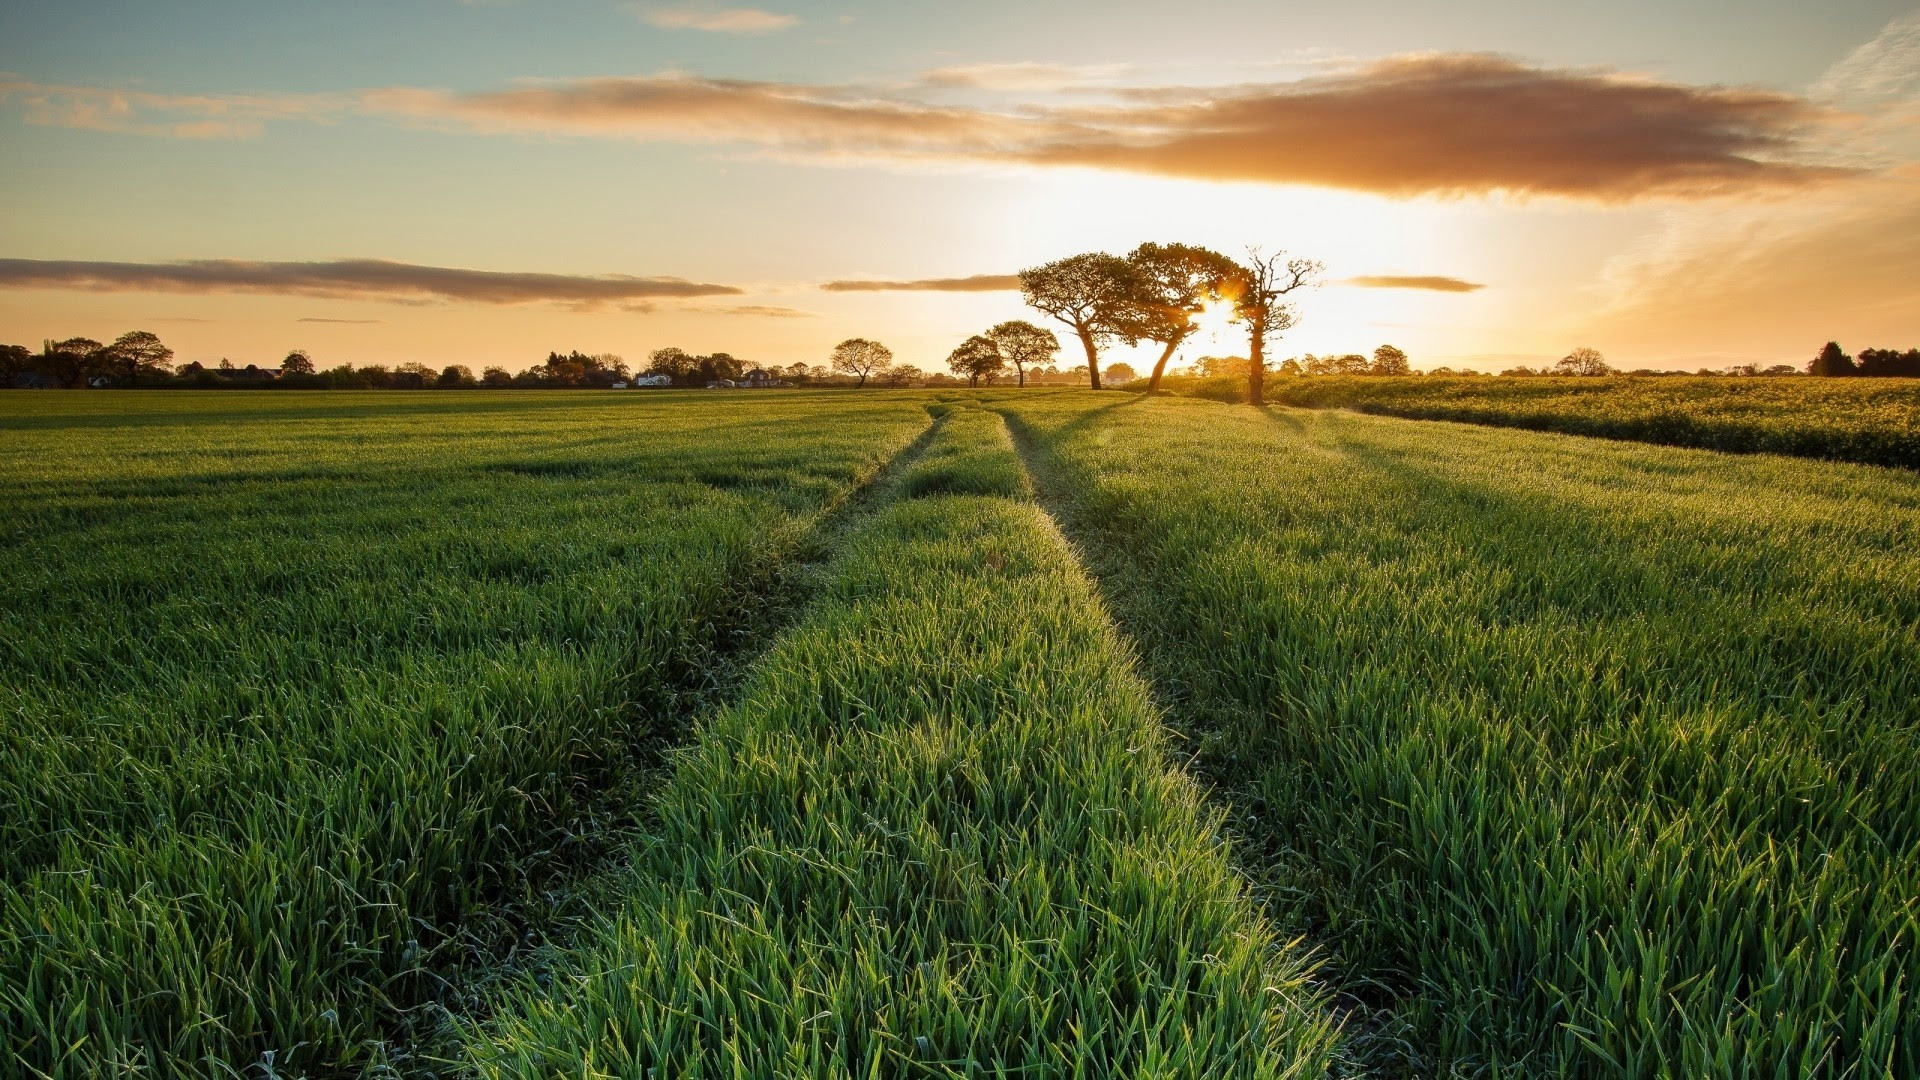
<point x="1489" y="183"/>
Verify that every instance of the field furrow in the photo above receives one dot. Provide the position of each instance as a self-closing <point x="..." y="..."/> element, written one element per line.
<point x="307" y="704"/>
<point x="939" y="834"/>
<point x="1584" y="759"/>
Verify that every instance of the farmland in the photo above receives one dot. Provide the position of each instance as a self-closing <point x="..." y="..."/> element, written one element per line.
<point x="1871" y="421"/>
<point x="944" y="734"/>
<point x="1584" y="758"/>
<point x="296" y="692"/>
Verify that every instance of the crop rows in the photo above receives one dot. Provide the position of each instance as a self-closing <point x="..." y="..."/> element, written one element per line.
<point x="1585" y="759"/>
<point x="1871" y="421"/>
<point x="293" y="691"/>
<point x="939" y="835"/>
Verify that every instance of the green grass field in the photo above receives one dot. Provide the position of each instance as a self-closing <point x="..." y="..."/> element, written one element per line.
<point x="943" y="734"/>
<point x="1870" y="421"/>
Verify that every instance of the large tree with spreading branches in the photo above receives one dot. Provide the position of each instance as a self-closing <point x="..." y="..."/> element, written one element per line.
<point x="1171" y="284"/>
<point x="1092" y="294"/>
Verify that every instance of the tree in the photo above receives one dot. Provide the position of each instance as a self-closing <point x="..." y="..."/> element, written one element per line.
<point x="453" y="375"/>
<point x="1345" y="364"/>
<point x="1888" y="362"/>
<point x="719" y="367"/>
<point x="1120" y="372"/>
<point x="976" y="357"/>
<point x="1091" y="293"/>
<point x="1583" y="361"/>
<point x="15" y="360"/>
<point x="1171" y="283"/>
<point x="860" y="358"/>
<point x="671" y="362"/>
<point x="1260" y="300"/>
<point x="1388" y="360"/>
<point x="69" y="362"/>
<point x="1831" y="360"/>
<point x="297" y="363"/>
<point x="135" y="353"/>
<point x="1023" y="345"/>
<point x="901" y="375"/>
<point x="1289" y="366"/>
<point x="496" y="378"/>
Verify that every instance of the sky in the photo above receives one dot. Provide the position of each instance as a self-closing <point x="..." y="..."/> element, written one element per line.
<point x="1488" y="183"/>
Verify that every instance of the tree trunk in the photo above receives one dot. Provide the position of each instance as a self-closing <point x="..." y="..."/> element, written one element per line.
<point x="1257" y="365"/>
<point x="1093" y="358"/>
<point x="1153" y="384"/>
<point x="1022" y="369"/>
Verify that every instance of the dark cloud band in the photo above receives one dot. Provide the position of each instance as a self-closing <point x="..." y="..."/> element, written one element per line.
<point x="352" y="279"/>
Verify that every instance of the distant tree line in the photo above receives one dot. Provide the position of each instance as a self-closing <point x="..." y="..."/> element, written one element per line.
<point x="1833" y="361"/>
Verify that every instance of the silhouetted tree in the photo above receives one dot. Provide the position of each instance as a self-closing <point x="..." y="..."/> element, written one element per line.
<point x="453" y="376"/>
<point x="1583" y="361"/>
<point x="1289" y="366"/>
<point x="15" y="360"/>
<point x="1120" y="372"/>
<point x="496" y="378"/>
<point x="1261" y="301"/>
<point x="1831" y="360"/>
<point x="136" y="353"/>
<point x="1171" y="283"/>
<point x="1388" y="360"/>
<point x="1888" y="362"/>
<point x="900" y="375"/>
<point x="297" y="363"/>
<point x="860" y="358"/>
<point x="69" y="362"/>
<point x="977" y="357"/>
<point x="1024" y="345"/>
<point x="1090" y="293"/>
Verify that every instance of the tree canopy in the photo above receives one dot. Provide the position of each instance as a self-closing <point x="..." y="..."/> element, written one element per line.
<point x="1024" y="345"/>
<point x="860" y="358"/>
<point x="1093" y="294"/>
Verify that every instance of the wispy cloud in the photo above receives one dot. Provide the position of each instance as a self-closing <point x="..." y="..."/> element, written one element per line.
<point x="1431" y="282"/>
<point x="976" y="283"/>
<point x="343" y="322"/>
<point x="357" y="279"/>
<point x="1433" y="124"/>
<point x="767" y="311"/>
<point x="718" y="20"/>
<point x="180" y="116"/>
<point x="1024" y="75"/>
<point x="1778" y="280"/>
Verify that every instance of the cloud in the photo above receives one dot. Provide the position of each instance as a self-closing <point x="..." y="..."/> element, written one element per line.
<point x="1432" y="282"/>
<point x="1430" y="124"/>
<point x="761" y="310"/>
<point x="343" y="322"/>
<point x="718" y="21"/>
<point x="180" y="116"/>
<point x="1416" y="125"/>
<point x="976" y="283"/>
<point x="1778" y="280"/>
<point x="357" y="279"/>
<point x="1021" y="75"/>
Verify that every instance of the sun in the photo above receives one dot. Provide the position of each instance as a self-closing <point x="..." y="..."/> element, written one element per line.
<point x="1214" y="326"/>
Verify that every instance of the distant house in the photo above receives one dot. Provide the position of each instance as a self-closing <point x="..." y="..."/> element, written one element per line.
<point x="619" y="386"/>
<point x="722" y="384"/>
<point x="653" y="380"/>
